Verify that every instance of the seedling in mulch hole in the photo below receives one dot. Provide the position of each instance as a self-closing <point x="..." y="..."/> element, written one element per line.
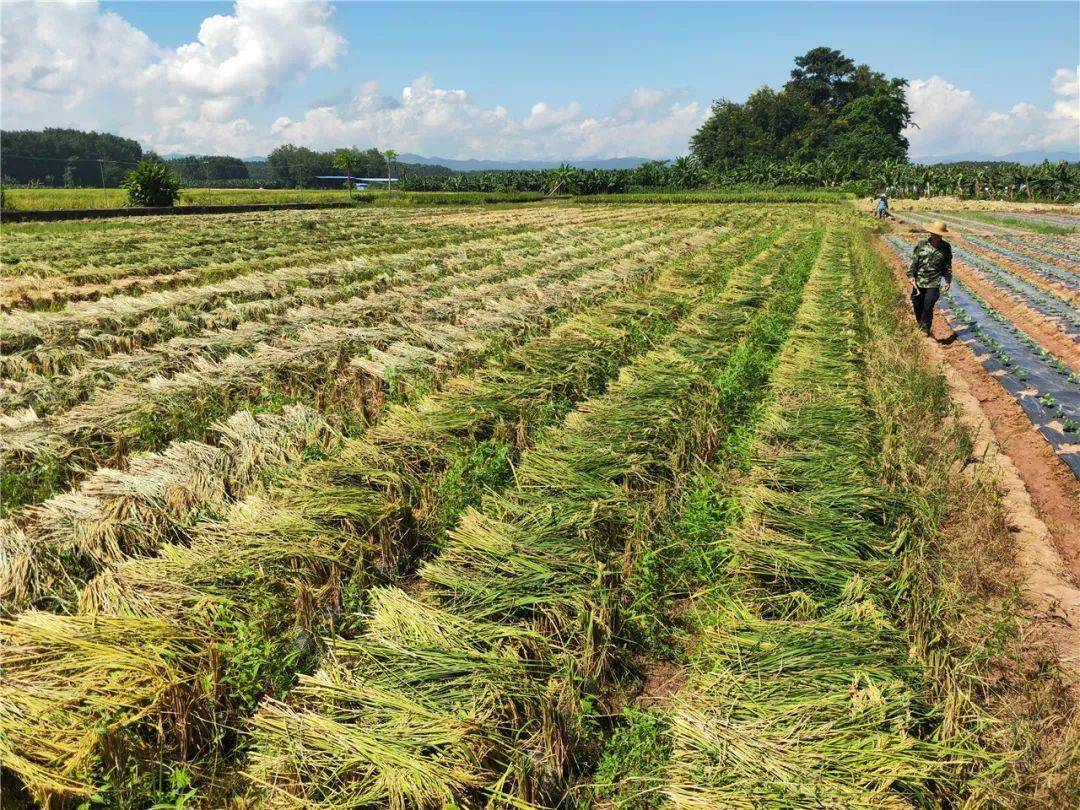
<point x="1070" y="425"/>
<point x="1047" y="400"/>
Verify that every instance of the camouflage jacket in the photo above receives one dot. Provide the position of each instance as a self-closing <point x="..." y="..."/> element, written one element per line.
<point x="929" y="265"/>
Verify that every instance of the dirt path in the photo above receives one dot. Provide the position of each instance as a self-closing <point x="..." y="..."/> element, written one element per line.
<point x="1042" y="496"/>
<point x="1049" y="575"/>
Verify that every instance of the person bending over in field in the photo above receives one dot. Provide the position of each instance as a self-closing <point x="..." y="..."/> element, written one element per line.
<point x="931" y="273"/>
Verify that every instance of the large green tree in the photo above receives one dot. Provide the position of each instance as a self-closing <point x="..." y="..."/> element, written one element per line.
<point x="831" y="108"/>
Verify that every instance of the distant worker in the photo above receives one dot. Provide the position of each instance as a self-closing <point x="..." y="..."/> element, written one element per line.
<point x="931" y="273"/>
<point x="881" y="209"/>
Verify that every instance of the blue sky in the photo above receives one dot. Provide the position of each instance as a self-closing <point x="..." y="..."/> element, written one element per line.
<point x="611" y="78"/>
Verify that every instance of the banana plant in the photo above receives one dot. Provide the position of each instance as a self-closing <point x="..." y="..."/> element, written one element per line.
<point x="563" y="177"/>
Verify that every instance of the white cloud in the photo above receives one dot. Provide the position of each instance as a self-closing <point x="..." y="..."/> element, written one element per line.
<point x="61" y="59"/>
<point x="245" y="56"/>
<point x="437" y="121"/>
<point x="951" y="121"/>
<point x="650" y="103"/>
<point x="1066" y="82"/>
<point x="73" y="64"/>
<point x="544" y="117"/>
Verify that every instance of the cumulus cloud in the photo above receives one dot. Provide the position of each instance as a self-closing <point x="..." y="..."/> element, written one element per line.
<point x="951" y="121"/>
<point x="60" y="59"/>
<point x="73" y="64"/>
<point x="544" y="117"/>
<point x="434" y="120"/>
<point x="1066" y="82"/>
<point x="650" y="103"/>
<point x="249" y="54"/>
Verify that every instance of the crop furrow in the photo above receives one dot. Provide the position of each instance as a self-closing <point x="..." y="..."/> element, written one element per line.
<point x="313" y="365"/>
<point x="511" y="395"/>
<point x="805" y="688"/>
<point x="470" y="688"/>
<point x="346" y="305"/>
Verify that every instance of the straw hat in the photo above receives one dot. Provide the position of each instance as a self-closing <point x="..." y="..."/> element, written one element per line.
<point x="938" y="227"/>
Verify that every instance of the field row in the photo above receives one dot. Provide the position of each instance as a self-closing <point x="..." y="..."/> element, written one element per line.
<point x="176" y="389"/>
<point x="330" y="528"/>
<point x="84" y="375"/>
<point x="95" y="531"/>
<point x="85" y="261"/>
<point x="27" y="328"/>
<point x="209" y="319"/>
<point x="811" y="636"/>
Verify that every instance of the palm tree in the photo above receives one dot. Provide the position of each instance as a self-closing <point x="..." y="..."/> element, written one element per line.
<point x="390" y="156"/>
<point x="347" y="160"/>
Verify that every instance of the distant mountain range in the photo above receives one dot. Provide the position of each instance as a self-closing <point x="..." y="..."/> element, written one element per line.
<point x="1027" y="158"/>
<point x="474" y="165"/>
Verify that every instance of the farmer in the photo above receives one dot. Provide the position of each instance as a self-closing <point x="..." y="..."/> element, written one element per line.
<point x="882" y="207"/>
<point x="931" y="273"/>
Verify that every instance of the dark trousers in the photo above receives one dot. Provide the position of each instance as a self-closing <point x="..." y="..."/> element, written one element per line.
<point x="922" y="302"/>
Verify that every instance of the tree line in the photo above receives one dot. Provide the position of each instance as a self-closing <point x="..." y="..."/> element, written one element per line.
<point x="830" y="108"/>
<point x="897" y="178"/>
<point x="73" y="158"/>
<point x="297" y="165"/>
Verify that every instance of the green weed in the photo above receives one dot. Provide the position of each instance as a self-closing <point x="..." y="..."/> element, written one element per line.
<point x="630" y="769"/>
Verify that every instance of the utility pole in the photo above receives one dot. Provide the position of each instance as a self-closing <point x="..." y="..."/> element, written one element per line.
<point x="104" y="193"/>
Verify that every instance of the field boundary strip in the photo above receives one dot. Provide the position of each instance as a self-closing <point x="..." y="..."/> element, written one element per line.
<point x="60" y="214"/>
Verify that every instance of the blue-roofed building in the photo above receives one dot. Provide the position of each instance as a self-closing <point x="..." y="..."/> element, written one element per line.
<point x="339" y="181"/>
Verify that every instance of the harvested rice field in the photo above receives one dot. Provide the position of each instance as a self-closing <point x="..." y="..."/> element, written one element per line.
<point x="549" y="505"/>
